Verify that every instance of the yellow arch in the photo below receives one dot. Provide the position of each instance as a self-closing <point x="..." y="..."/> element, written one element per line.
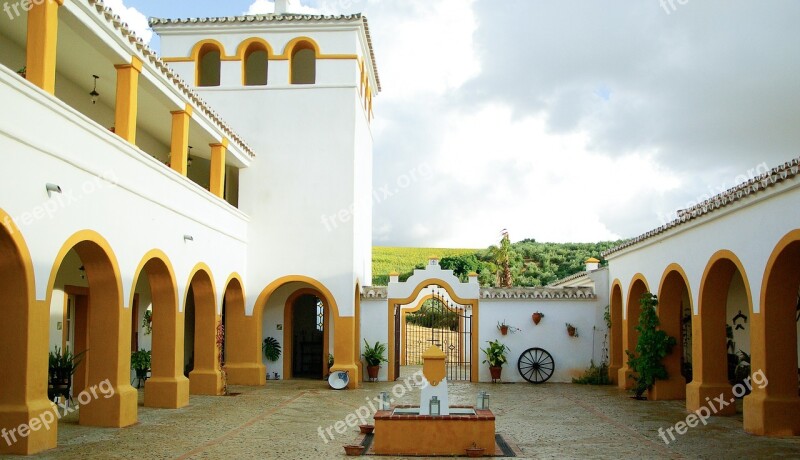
<point x="616" y="355"/>
<point x="636" y="277"/>
<point x="288" y="328"/>
<point x="201" y="267"/>
<point x="7" y="222"/>
<point x="153" y="254"/>
<point x="670" y="314"/>
<point x="783" y="243"/>
<point x="451" y="292"/>
<point x="198" y="47"/>
<point x="261" y="301"/>
<point x="244" y="46"/>
<point x="718" y="256"/>
<point x="405" y="311"/>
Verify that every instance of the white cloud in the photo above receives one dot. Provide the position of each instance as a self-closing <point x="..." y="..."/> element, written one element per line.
<point x="267" y="6"/>
<point x="136" y="20"/>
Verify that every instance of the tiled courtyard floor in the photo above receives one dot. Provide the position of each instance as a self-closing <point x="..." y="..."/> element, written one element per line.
<point x="281" y="420"/>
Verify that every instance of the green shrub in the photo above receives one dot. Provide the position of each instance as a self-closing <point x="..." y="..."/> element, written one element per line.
<point x="595" y="375"/>
<point x="654" y="344"/>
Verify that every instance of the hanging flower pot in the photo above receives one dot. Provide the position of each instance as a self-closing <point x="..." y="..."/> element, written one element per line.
<point x="504" y="329"/>
<point x="537" y="317"/>
<point x="572" y="331"/>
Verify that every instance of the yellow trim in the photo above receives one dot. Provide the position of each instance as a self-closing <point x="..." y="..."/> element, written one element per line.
<point x="243" y="362"/>
<point x="242" y="47"/>
<point x="109" y="327"/>
<point x="243" y="53"/>
<point x="23" y="376"/>
<point x="206" y="377"/>
<point x="616" y="354"/>
<point x="670" y="314"/>
<point x="403" y="322"/>
<point x="407" y="301"/>
<point x="42" y="44"/>
<point x="217" y="180"/>
<point x="127" y="103"/>
<point x="179" y="151"/>
<point x="630" y="337"/>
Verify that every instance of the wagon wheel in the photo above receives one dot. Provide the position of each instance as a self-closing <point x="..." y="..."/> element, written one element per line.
<point x="536" y="365"/>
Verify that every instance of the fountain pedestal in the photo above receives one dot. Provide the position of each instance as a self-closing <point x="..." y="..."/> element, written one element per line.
<point x="412" y="430"/>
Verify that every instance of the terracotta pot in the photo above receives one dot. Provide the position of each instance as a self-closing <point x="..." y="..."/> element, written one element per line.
<point x="366" y="429"/>
<point x="354" y="450"/>
<point x="571" y="331"/>
<point x="372" y="372"/>
<point x="475" y="452"/>
<point x="504" y="330"/>
<point x="495" y="371"/>
<point x="536" y="318"/>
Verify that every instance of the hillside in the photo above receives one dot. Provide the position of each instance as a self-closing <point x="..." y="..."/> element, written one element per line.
<point x="532" y="263"/>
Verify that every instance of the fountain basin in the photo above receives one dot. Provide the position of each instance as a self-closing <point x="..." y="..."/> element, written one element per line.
<point x="401" y="431"/>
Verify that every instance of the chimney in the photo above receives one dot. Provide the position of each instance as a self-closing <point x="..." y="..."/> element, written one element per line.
<point x="592" y="264"/>
<point x="281" y="6"/>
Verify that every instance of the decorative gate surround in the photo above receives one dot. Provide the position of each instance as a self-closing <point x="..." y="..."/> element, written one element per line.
<point x="453" y="296"/>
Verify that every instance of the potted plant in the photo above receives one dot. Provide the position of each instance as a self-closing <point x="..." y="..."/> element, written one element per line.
<point x="537" y="317"/>
<point x="147" y="322"/>
<point x="353" y="450"/>
<point x="140" y="362"/>
<point x="502" y="327"/>
<point x="374" y="356"/>
<point x="23" y="72"/>
<point x="271" y="349"/>
<point x="495" y="357"/>
<point x="572" y="331"/>
<point x="61" y="368"/>
<point x="653" y="345"/>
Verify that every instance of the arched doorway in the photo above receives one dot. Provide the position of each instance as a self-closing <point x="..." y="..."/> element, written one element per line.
<point x="436" y="320"/>
<point x="615" y="339"/>
<point x="630" y="336"/>
<point x="86" y="266"/>
<point x="242" y="351"/>
<point x="306" y="335"/>
<point x="205" y="377"/>
<point x="155" y="289"/>
<point x="675" y="316"/>
<point x="772" y="409"/>
<point x="22" y="399"/>
<point x="710" y="344"/>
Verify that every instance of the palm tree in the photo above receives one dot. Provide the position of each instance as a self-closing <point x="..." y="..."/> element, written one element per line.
<point x="501" y="255"/>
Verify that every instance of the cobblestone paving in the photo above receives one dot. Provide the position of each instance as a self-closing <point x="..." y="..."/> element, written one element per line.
<point x="284" y="419"/>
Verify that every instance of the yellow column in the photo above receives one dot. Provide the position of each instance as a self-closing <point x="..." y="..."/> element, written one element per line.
<point x="127" y="106"/>
<point x="179" y="153"/>
<point x="42" y="44"/>
<point x="344" y="352"/>
<point x="218" y="152"/>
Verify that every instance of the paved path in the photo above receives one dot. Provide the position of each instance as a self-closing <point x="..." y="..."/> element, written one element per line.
<point x="284" y="420"/>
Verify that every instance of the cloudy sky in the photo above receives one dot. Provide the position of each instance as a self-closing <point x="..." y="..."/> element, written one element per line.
<point x="578" y="120"/>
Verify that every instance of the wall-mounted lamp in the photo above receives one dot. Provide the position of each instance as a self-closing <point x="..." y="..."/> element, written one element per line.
<point x="189" y="157"/>
<point x="435" y="406"/>
<point x="52" y="188"/>
<point x="82" y="270"/>
<point x="188" y="238"/>
<point x="95" y="95"/>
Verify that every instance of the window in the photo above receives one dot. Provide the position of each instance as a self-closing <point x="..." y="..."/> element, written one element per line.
<point x="208" y="65"/>
<point x="256" y="62"/>
<point x="304" y="64"/>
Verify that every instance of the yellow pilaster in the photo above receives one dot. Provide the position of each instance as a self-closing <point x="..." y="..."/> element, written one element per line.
<point x="127" y="106"/>
<point x="218" y="153"/>
<point x="179" y="153"/>
<point x="344" y="352"/>
<point x="42" y="44"/>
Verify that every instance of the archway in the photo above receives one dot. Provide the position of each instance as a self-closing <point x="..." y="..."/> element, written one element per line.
<point x="209" y="64"/>
<point x="24" y="329"/>
<point x="303" y="63"/>
<point x="435" y="320"/>
<point x="156" y="287"/>
<point x="395" y="314"/>
<point x="675" y="315"/>
<point x="306" y="334"/>
<point x="630" y="336"/>
<point x="615" y="334"/>
<point x="709" y="338"/>
<point x="771" y="409"/>
<point x="242" y="351"/>
<point x="205" y="377"/>
<point x="269" y="312"/>
<point x="107" y="326"/>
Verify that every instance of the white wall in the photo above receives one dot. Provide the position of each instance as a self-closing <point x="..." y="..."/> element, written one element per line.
<point x="375" y="328"/>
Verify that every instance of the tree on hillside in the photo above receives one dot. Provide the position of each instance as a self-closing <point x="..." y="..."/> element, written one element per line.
<point x="501" y="255"/>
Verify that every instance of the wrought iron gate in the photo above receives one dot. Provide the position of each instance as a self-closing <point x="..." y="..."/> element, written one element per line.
<point x="447" y="325"/>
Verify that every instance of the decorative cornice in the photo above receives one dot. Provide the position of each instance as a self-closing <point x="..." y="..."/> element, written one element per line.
<point x="374" y="292"/>
<point x="277" y="18"/>
<point x="538" y="293"/>
<point x="569" y="278"/>
<point x="160" y="66"/>
<point x="742" y="191"/>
